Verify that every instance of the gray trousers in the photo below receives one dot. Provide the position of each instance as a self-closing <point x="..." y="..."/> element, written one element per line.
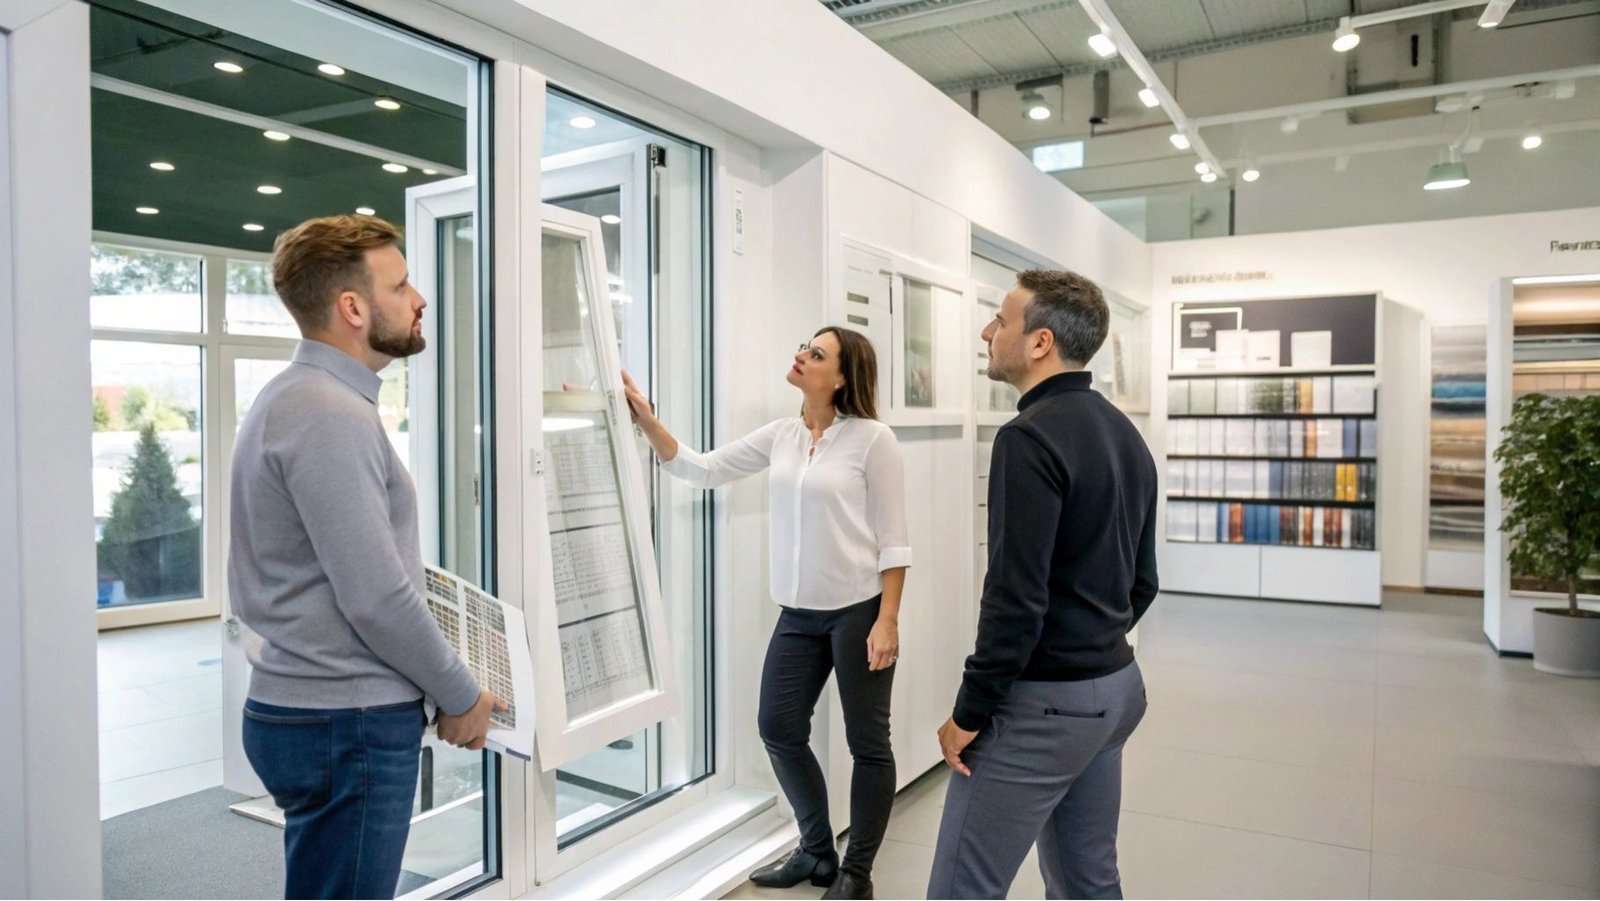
<point x="1047" y="770"/>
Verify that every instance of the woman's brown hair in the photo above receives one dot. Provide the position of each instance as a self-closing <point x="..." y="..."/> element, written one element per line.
<point x="858" y="363"/>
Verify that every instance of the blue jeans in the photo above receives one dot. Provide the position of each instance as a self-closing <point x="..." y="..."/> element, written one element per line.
<point x="346" y="780"/>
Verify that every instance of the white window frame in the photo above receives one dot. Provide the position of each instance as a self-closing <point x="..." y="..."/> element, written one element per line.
<point x="212" y="341"/>
<point x="562" y="739"/>
<point x="864" y="268"/>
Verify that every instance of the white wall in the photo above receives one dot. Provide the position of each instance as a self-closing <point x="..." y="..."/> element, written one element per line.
<point x="1447" y="271"/>
<point x="49" y="823"/>
<point x="787" y="73"/>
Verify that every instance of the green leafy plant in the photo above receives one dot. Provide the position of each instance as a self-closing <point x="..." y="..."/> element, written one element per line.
<point x="1549" y="459"/>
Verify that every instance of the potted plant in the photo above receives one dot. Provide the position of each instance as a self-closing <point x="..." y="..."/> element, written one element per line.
<point x="1549" y="459"/>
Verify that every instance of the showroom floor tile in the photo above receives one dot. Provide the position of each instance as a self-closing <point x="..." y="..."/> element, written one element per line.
<point x="1312" y="751"/>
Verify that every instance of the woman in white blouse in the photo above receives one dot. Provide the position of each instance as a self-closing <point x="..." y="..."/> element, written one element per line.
<point x="839" y="553"/>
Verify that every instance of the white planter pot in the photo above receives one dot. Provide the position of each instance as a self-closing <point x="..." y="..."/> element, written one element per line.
<point x="1566" y="645"/>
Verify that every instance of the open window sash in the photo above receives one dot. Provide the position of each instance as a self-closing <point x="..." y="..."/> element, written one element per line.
<point x="603" y="667"/>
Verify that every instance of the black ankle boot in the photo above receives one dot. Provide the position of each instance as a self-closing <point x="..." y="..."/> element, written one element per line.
<point x="849" y="885"/>
<point x="799" y="866"/>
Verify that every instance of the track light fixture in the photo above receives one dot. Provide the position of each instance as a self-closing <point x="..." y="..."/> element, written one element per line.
<point x="1346" y="38"/>
<point x="1446" y="175"/>
<point x="1034" y="104"/>
<point x="1034" y="107"/>
<point x="1149" y="98"/>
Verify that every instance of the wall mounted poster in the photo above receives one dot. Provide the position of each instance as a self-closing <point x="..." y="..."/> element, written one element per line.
<point x="1312" y="333"/>
<point x="1456" y="438"/>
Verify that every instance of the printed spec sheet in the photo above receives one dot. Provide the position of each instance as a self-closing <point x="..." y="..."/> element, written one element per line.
<point x="492" y="638"/>
<point x="603" y="653"/>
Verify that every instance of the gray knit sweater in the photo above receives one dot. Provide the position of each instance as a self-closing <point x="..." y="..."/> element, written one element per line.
<point x="325" y="563"/>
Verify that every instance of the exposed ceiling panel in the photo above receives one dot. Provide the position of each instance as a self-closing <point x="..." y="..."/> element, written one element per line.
<point x="939" y="56"/>
<point x="1326" y="9"/>
<point x="1008" y="45"/>
<point x="1160" y="24"/>
<point x="1230" y="18"/>
<point x="1065" y="31"/>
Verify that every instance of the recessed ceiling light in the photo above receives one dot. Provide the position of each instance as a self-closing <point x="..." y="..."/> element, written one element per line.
<point x="396" y="168"/>
<point x="269" y="189"/>
<point x="611" y="219"/>
<point x="582" y="122"/>
<point x="230" y="68"/>
<point x="275" y="136"/>
<point x="330" y="69"/>
<point x="386" y="103"/>
<point x="366" y="211"/>
<point x="160" y="166"/>
<point x="1102" y="44"/>
<point x="1149" y="98"/>
<point x="1179" y="140"/>
<point x="1250" y="174"/>
<point x="1209" y="177"/>
<point x="1202" y="167"/>
<point x="1532" y="142"/>
<point x="1345" y="39"/>
<point x="430" y="172"/>
<point x="253" y="227"/>
<point x="146" y="210"/>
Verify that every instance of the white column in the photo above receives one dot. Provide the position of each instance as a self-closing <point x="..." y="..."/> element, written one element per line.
<point x="49" y="760"/>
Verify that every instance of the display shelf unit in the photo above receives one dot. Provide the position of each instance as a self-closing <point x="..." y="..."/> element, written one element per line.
<point x="1272" y="472"/>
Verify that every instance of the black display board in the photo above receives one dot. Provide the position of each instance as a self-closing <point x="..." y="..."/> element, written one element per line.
<point x="1352" y="320"/>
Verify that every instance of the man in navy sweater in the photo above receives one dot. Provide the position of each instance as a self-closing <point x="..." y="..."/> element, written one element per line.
<point x="1051" y="692"/>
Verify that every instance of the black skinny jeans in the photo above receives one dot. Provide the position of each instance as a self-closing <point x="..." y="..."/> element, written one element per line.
<point x="805" y="645"/>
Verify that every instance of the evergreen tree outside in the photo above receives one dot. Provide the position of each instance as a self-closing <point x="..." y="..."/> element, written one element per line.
<point x="151" y="541"/>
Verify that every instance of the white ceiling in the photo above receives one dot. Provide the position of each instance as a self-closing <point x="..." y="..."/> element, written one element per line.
<point x="1223" y="57"/>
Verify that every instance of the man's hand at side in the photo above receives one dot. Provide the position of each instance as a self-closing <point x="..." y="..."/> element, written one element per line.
<point x="470" y="729"/>
<point x="952" y="741"/>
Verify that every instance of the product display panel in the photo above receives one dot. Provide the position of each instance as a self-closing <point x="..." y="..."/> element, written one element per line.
<point x="1272" y="441"/>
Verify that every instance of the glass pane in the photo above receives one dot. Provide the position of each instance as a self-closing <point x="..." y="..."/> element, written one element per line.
<point x="253" y="307"/>
<point x="662" y="316"/>
<point x="147" y="472"/>
<point x="603" y="651"/>
<point x="144" y="289"/>
<point x="918" y="349"/>
<point x="403" y="112"/>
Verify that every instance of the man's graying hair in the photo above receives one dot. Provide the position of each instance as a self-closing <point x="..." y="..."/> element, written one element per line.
<point x="1071" y="307"/>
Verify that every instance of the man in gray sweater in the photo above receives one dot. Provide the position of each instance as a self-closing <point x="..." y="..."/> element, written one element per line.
<point x="325" y="566"/>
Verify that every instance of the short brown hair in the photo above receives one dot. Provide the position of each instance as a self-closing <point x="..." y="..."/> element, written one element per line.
<point x="318" y="259"/>
<point x="858" y="363"/>
<point x="1071" y="307"/>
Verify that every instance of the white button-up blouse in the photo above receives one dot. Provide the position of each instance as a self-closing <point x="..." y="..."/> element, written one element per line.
<point x="838" y="515"/>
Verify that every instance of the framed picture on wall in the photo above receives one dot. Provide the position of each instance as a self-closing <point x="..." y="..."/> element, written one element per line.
<point x="1194" y="334"/>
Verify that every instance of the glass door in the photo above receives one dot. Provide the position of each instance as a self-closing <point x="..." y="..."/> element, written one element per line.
<point x="245" y="371"/>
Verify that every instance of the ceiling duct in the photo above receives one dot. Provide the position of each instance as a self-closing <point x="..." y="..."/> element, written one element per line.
<point x="1102" y="98"/>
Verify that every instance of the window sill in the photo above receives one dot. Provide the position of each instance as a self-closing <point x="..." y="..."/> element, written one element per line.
<point x="683" y="853"/>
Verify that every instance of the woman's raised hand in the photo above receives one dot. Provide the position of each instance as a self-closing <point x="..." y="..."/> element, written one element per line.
<point x="638" y="404"/>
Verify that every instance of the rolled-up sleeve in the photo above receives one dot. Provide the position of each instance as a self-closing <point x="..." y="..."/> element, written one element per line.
<point x="886" y="501"/>
<point x="746" y="456"/>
